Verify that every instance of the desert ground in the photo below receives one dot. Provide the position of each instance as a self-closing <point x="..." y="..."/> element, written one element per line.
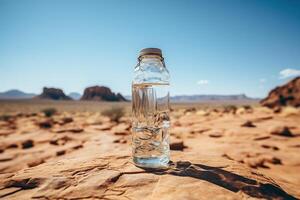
<point x="81" y="150"/>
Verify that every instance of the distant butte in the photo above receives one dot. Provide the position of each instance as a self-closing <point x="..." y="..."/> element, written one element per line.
<point x="101" y="93"/>
<point x="53" y="94"/>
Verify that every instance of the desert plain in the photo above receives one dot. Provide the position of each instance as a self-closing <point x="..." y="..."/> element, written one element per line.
<point x="82" y="150"/>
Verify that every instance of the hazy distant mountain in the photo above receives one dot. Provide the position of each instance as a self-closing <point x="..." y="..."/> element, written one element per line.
<point x="205" y="98"/>
<point x="128" y="97"/>
<point x="16" y="94"/>
<point x="75" y="95"/>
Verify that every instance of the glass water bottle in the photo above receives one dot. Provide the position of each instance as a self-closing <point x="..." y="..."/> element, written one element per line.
<point x="150" y="110"/>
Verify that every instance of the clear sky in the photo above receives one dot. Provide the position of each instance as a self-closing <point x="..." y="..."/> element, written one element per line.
<point x="210" y="47"/>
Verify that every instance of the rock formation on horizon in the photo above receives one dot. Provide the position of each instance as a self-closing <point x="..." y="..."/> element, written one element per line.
<point x="285" y="95"/>
<point x="53" y="94"/>
<point x="101" y="93"/>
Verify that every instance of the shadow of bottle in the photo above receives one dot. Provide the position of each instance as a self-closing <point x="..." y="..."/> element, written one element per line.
<point x="225" y="179"/>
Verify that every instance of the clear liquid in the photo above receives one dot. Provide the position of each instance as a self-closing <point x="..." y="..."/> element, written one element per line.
<point x="150" y="125"/>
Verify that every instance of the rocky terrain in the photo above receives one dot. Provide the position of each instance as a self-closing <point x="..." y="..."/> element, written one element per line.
<point x="286" y="95"/>
<point x="225" y="153"/>
<point x="53" y="94"/>
<point x="101" y="93"/>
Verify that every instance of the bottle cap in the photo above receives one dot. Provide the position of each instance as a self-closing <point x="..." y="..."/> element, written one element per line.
<point x="150" y="51"/>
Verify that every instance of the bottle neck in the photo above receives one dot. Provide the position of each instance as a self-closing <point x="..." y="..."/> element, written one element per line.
<point x="151" y="59"/>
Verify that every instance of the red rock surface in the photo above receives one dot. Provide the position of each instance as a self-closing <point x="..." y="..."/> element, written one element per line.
<point x="101" y="93"/>
<point x="286" y="95"/>
<point x="85" y="155"/>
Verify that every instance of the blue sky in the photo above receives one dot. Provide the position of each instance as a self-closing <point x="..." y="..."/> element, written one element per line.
<point x="210" y="47"/>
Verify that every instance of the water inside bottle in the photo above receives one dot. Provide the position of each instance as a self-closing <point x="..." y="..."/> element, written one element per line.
<point x="150" y="136"/>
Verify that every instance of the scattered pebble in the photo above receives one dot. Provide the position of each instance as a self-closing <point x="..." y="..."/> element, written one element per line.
<point x="122" y="132"/>
<point x="281" y="131"/>
<point x="262" y="138"/>
<point x="60" y="153"/>
<point x="227" y="156"/>
<point x="274" y="160"/>
<point x="248" y="124"/>
<point x="27" y="144"/>
<point x="270" y="147"/>
<point x="54" y="142"/>
<point x="177" y="145"/>
<point x="120" y="140"/>
<point x="12" y="146"/>
<point x="256" y="162"/>
<point x="66" y="120"/>
<point x="60" y="141"/>
<point x="45" y="124"/>
<point x="77" y="146"/>
<point x="215" y="135"/>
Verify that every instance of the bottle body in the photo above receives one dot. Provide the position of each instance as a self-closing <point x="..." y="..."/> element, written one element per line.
<point x="150" y="110"/>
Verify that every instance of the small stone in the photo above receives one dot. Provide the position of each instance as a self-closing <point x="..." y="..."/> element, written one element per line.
<point x="116" y="141"/>
<point x="177" y="145"/>
<point x="67" y="120"/>
<point x="121" y="141"/>
<point x="270" y="147"/>
<point x="262" y="138"/>
<point x="27" y="144"/>
<point x="281" y="131"/>
<point x="12" y="146"/>
<point x="76" y="130"/>
<point x="275" y="161"/>
<point x="277" y="109"/>
<point x="256" y="162"/>
<point x="121" y="133"/>
<point x="45" y="124"/>
<point x="215" y="135"/>
<point x="79" y="146"/>
<point x="60" y="141"/>
<point x="54" y="142"/>
<point x="248" y="124"/>
<point x="60" y="153"/>
<point x="227" y="156"/>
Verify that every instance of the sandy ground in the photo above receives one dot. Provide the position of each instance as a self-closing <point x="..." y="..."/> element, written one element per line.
<point x="257" y="138"/>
